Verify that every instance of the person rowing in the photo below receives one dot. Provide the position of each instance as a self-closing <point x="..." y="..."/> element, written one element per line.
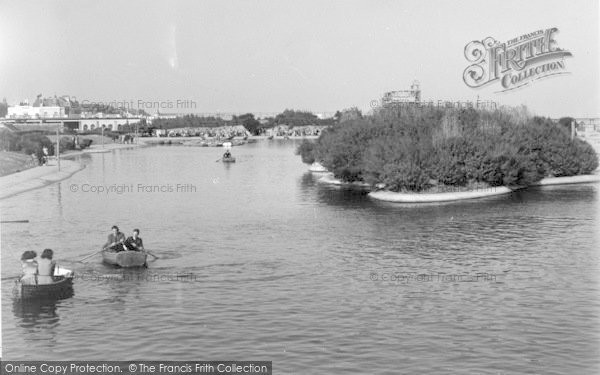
<point x="115" y="240"/>
<point x="46" y="267"/>
<point x="134" y="242"/>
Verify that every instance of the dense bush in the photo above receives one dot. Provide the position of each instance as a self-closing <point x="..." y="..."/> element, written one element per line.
<point x="306" y="151"/>
<point x="341" y="148"/>
<point x="85" y="143"/>
<point x="414" y="149"/>
<point x="34" y="143"/>
<point x="66" y="144"/>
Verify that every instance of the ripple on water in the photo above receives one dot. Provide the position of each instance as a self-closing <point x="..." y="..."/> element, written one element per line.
<point x="265" y="263"/>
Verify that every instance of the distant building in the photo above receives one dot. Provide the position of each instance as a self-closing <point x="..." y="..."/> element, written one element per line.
<point x="588" y="125"/>
<point x="114" y="124"/>
<point x="28" y="111"/>
<point x="47" y="112"/>
<point x="402" y="96"/>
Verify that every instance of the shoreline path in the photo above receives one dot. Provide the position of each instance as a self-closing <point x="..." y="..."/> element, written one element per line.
<point x="37" y="177"/>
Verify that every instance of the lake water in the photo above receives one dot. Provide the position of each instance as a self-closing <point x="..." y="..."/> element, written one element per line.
<point x="262" y="262"/>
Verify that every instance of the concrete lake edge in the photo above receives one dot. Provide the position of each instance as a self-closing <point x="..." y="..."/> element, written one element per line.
<point x="389" y="196"/>
<point x="38" y="177"/>
<point x="394" y="197"/>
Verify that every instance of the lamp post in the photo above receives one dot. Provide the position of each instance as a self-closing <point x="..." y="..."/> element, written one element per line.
<point x="58" y="125"/>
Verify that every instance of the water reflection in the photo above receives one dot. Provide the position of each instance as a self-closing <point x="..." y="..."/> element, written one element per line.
<point x="346" y="196"/>
<point x="36" y="313"/>
<point x="123" y="282"/>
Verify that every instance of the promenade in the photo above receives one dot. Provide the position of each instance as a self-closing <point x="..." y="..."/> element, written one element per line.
<point x="37" y="177"/>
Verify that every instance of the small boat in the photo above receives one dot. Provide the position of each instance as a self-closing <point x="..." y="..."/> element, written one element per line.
<point x="230" y="159"/>
<point x="61" y="288"/>
<point x="125" y="259"/>
<point x="270" y="137"/>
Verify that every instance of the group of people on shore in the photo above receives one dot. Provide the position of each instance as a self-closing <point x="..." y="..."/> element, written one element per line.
<point x="38" y="271"/>
<point x="117" y="242"/>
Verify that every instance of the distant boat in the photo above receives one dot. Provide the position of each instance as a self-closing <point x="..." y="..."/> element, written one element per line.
<point x="270" y="137"/>
<point x="61" y="288"/>
<point x="230" y="159"/>
<point x="125" y="259"/>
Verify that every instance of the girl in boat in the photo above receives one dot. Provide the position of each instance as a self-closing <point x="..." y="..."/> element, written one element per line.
<point x="30" y="268"/>
<point x="46" y="267"/>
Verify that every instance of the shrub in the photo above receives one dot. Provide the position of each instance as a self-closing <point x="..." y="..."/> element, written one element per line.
<point x="85" y="143"/>
<point x="66" y="144"/>
<point x="306" y="151"/>
<point x="34" y="144"/>
<point x="341" y="149"/>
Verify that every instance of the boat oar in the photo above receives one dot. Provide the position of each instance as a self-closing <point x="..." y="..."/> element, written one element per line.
<point x="91" y="255"/>
<point x="155" y="257"/>
<point x="219" y="159"/>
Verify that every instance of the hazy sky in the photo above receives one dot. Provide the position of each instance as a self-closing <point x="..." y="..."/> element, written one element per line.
<point x="265" y="56"/>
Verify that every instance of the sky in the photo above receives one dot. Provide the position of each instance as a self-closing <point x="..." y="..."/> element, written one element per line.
<point x="265" y="56"/>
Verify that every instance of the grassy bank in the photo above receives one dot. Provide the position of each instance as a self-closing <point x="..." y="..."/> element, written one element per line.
<point x="12" y="162"/>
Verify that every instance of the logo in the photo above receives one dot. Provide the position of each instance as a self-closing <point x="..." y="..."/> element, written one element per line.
<point x="515" y="63"/>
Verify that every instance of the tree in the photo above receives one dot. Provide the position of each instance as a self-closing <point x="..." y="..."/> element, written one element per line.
<point x="3" y="108"/>
<point x="350" y="114"/>
<point x="249" y="122"/>
<point x="293" y="118"/>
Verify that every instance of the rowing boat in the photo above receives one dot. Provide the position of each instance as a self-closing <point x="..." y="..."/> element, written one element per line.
<point x="230" y="159"/>
<point x="60" y="288"/>
<point x="125" y="258"/>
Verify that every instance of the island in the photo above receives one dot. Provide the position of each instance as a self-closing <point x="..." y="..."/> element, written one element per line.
<point x="422" y="154"/>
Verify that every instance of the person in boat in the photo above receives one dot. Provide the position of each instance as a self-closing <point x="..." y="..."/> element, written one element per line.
<point x="30" y="268"/>
<point x="227" y="155"/>
<point x="134" y="242"/>
<point x="115" y="240"/>
<point x="46" y="267"/>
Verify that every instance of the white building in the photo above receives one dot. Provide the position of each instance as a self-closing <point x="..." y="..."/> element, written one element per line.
<point x="403" y="96"/>
<point x="114" y="124"/>
<point x="28" y="111"/>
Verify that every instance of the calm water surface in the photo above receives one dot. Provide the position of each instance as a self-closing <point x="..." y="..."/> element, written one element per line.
<point x="262" y="262"/>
